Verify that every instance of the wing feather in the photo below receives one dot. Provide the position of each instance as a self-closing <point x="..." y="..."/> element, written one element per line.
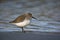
<point x="18" y="19"/>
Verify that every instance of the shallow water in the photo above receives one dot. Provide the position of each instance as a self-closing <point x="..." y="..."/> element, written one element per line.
<point x="10" y="10"/>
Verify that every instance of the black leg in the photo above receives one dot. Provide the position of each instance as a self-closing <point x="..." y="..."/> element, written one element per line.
<point x="22" y="29"/>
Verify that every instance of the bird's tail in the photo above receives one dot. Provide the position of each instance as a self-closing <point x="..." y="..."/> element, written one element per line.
<point x="10" y="22"/>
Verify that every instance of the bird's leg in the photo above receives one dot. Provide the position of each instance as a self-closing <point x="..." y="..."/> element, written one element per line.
<point x="22" y="29"/>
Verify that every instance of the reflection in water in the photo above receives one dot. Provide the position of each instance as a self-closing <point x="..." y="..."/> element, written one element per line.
<point x="10" y="10"/>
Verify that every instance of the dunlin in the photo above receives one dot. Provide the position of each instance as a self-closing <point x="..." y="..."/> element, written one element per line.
<point x="22" y="20"/>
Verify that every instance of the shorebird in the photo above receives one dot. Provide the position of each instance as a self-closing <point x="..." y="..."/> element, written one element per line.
<point x="22" y="20"/>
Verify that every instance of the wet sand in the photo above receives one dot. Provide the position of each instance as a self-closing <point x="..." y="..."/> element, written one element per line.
<point x="30" y="36"/>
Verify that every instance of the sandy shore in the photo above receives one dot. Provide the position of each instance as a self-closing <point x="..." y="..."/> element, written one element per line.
<point x="29" y="36"/>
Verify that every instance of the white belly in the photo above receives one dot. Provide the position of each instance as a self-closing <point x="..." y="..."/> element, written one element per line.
<point x="22" y="24"/>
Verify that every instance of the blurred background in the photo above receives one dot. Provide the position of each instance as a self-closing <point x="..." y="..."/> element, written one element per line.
<point x="47" y="11"/>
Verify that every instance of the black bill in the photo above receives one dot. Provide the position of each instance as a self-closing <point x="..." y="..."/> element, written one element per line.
<point x="35" y="18"/>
